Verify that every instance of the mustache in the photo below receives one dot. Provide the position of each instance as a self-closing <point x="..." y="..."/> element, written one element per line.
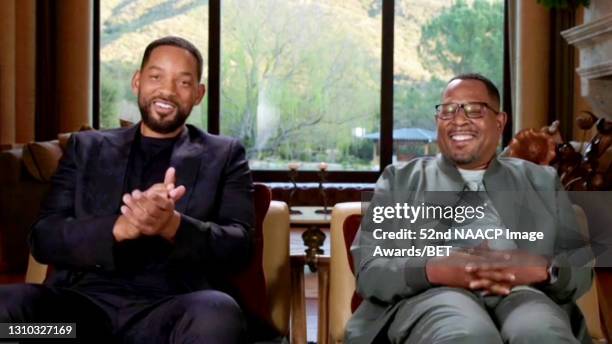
<point x="463" y="127"/>
<point x="462" y="130"/>
<point x="173" y="101"/>
<point x="167" y="98"/>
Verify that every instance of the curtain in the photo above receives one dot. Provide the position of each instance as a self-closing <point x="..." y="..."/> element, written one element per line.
<point x="45" y="69"/>
<point x="562" y="65"/>
<point x="64" y="66"/>
<point x="17" y="70"/>
<point x="529" y="53"/>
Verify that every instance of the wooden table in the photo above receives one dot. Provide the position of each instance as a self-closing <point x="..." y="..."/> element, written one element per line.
<point x="298" y="300"/>
<point x="314" y="220"/>
<point x="318" y="261"/>
<point x="309" y="217"/>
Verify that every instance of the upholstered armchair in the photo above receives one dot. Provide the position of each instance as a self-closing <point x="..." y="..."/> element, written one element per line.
<point x="263" y="288"/>
<point x="346" y="218"/>
<point x="24" y="181"/>
<point x="341" y="279"/>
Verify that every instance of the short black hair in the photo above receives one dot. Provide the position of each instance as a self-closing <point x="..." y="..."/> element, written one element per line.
<point x="175" y="42"/>
<point x="491" y="88"/>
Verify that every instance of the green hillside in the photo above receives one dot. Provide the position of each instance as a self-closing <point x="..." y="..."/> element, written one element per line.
<point x="300" y="77"/>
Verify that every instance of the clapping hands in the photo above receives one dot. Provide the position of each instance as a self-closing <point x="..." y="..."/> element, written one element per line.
<point x="150" y="212"/>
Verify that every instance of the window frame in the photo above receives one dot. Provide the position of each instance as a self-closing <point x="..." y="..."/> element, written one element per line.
<point x="386" y="93"/>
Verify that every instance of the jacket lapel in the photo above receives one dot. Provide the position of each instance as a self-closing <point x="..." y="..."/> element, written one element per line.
<point x="188" y="154"/>
<point x="448" y="181"/>
<point x="505" y="194"/>
<point x="445" y="189"/>
<point x="500" y="187"/>
<point x="108" y="171"/>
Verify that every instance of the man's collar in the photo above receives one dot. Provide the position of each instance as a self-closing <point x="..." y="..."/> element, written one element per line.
<point x="490" y="179"/>
<point x="449" y="168"/>
<point x="123" y="136"/>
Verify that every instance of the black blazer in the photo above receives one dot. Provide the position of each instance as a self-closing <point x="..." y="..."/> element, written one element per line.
<point x="74" y="230"/>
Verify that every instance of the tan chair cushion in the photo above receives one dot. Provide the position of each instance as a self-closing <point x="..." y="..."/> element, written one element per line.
<point x="276" y="264"/>
<point x="41" y="159"/>
<point x="36" y="272"/>
<point x="341" y="279"/>
<point x="588" y="303"/>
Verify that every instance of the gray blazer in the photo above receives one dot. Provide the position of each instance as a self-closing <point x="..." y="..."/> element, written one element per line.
<point x="528" y="197"/>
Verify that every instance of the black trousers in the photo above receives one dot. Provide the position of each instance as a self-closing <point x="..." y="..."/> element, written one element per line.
<point x="206" y="316"/>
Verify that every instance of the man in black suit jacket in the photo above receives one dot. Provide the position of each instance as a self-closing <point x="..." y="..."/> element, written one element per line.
<point x="140" y="222"/>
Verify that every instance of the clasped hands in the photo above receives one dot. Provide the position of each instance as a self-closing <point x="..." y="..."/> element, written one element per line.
<point x="150" y="212"/>
<point x="493" y="272"/>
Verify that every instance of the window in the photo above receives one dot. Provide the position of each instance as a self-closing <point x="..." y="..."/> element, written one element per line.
<point x="435" y="40"/>
<point x="126" y="27"/>
<point x="300" y="81"/>
<point x="351" y="83"/>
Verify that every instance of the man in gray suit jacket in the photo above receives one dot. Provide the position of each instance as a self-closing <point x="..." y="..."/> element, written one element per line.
<point x="482" y="290"/>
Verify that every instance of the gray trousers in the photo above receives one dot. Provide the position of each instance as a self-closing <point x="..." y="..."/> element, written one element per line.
<point x="452" y="315"/>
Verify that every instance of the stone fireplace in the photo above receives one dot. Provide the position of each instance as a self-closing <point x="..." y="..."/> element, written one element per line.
<point x="593" y="39"/>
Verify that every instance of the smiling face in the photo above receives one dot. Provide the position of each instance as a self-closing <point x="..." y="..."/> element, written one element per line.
<point x="167" y="87"/>
<point x="470" y="143"/>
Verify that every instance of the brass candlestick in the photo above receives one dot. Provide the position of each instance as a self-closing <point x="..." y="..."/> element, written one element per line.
<point x="293" y="173"/>
<point x="313" y="239"/>
<point x="323" y="179"/>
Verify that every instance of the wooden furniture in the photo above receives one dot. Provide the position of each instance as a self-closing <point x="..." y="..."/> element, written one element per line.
<point x="345" y="223"/>
<point x="310" y="217"/>
<point x="314" y="220"/>
<point x="308" y="193"/>
<point x="298" y="301"/>
<point x="604" y="278"/>
<point x="318" y="261"/>
<point x="264" y="286"/>
<point x="342" y="280"/>
<point x="582" y="166"/>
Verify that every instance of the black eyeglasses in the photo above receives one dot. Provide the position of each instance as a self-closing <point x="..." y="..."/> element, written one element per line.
<point x="472" y="110"/>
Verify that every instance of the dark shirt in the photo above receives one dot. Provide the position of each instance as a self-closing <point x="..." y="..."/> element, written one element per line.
<point x="149" y="160"/>
<point x="142" y="266"/>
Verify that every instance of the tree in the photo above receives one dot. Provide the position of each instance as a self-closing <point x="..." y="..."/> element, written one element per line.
<point x="108" y="99"/>
<point x="465" y="38"/>
<point x="414" y="102"/>
<point x="294" y="80"/>
<point x="119" y="24"/>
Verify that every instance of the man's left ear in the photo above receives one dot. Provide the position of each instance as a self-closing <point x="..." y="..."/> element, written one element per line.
<point x="136" y="82"/>
<point x="502" y="118"/>
<point x="200" y="94"/>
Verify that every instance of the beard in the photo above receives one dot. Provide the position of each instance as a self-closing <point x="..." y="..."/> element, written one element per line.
<point x="463" y="159"/>
<point x="164" y="125"/>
